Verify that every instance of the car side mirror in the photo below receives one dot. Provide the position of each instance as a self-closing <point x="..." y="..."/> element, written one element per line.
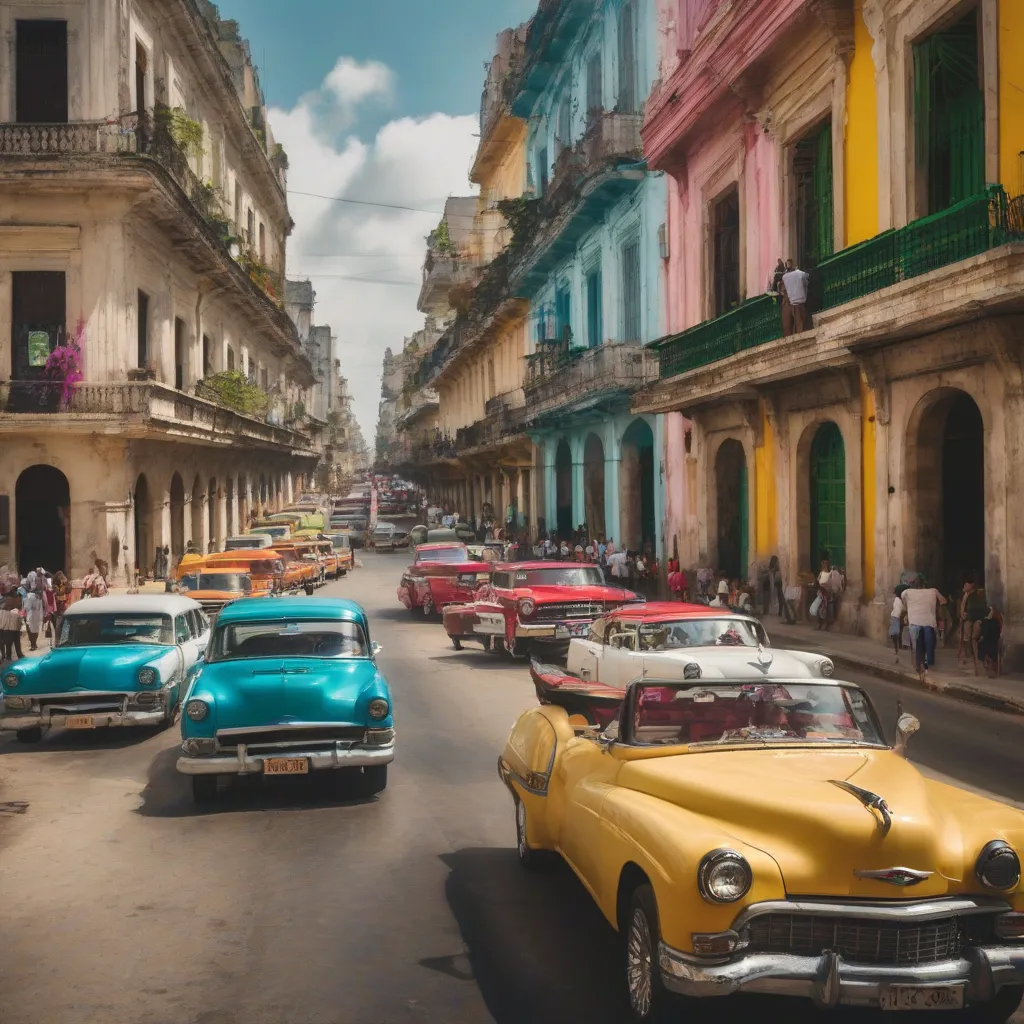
<point x="376" y="648"/>
<point x="906" y="726"/>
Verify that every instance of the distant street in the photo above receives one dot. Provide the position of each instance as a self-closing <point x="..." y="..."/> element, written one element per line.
<point x="286" y="904"/>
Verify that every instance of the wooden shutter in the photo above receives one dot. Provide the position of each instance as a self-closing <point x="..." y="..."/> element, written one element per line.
<point x="631" y="292"/>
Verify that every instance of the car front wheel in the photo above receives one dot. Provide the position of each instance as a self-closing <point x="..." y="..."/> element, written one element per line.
<point x="33" y="734"/>
<point x="649" y="1001"/>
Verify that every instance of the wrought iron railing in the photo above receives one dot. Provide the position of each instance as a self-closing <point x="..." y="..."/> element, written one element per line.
<point x="967" y="229"/>
<point x="550" y="358"/>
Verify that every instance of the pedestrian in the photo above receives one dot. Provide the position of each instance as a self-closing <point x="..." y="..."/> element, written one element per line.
<point x="10" y="626"/>
<point x="825" y="596"/>
<point x="990" y="631"/>
<point x="776" y="278"/>
<point x="618" y="567"/>
<point x="578" y="552"/>
<point x="563" y="551"/>
<point x="34" y="609"/>
<point x="896" y="617"/>
<point x="590" y="551"/>
<point x="973" y="609"/>
<point x="921" y="604"/>
<point x="62" y="598"/>
<point x="49" y="610"/>
<point x="721" y="598"/>
<point x="794" y="285"/>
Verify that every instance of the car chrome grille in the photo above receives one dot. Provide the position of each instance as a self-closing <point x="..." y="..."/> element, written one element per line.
<point x="888" y="943"/>
<point x="568" y="610"/>
<point x="299" y="737"/>
<point x="74" y="703"/>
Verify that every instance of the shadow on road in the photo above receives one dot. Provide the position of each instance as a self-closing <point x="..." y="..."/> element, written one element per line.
<point x="168" y="793"/>
<point x="74" y="740"/>
<point x="542" y="953"/>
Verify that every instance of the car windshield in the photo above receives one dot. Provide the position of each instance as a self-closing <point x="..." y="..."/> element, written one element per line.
<point x="233" y="582"/>
<point x="568" y="576"/>
<point x="340" y="543"/>
<point x="672" y="636"/>
<point x="91" y="630"/>
<point x="313" y="639"/>
<point x="446" y="555"/>
<point x="273" y="531"/>
<point x="752" y="713"/>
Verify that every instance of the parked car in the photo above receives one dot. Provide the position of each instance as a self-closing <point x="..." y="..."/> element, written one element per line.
<point x="213" y="588"/>
<point x="342" y="545"/>
<point x="118" y="661"/>
<point x="534" y="607"/>
<point x="440" y="575"/>
<point x="664" y="638"/>
<point x="288" y="686"/>
<point x="764" y="837"/>
<point x="383" y="537"/>
<point x="248" y="542"/>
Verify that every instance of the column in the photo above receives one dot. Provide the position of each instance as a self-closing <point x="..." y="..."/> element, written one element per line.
<point x="290" y="487"/>
<point x="220" y="517"/>
<point x="612" y="464"/>
<point x="520" y="499"/>
<point x="233" y="528"/>
<point x="578" y="506"/>
<point x="550" y="449"/>
<point x="204" y="538"/>
<point x="161" y="522"/>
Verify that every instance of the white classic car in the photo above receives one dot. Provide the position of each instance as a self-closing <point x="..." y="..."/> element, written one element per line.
<point x="662" y="639"/>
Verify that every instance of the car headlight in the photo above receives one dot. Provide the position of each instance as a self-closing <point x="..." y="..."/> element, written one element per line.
<point x="527" y="606"/>
<point x="11" y="680"/>
<point x="379" y="708"/>
<point x="826" y="668"/>
<point x="998" y="866"/>
<point x="148" y="676"/>
<point x="723" y="876"/>
<point x="691" y="671"/>
<point x="197" y="710"/>
<point x="18" y="703"/>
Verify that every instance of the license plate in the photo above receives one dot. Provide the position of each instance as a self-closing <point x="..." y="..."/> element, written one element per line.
<point x="286" y="766"/>
<point x="912" y="997"/>
<point x="573" y="629"/>
<point x="79" y="722"/>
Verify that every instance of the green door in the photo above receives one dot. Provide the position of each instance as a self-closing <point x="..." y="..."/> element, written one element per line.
<point x="828" y="496"/>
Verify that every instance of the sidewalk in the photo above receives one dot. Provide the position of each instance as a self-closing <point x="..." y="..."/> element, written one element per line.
<point x="1003" y="693"/>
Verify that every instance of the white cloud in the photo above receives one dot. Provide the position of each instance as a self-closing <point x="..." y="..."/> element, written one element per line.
<point x="413" y="162"/>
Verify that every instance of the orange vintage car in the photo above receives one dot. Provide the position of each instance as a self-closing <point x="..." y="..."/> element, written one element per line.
<point x="264" y="566"/>
<point x="302" y="567"/>
<point x="215" y="587"/>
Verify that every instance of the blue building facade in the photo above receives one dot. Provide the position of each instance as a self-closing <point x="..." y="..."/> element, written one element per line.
<point x="592" y="269"/>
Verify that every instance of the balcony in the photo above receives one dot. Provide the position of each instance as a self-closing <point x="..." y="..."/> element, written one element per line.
<point x="143" y="409"/>
<point x="563" y="380"/>
<point x="504" y="421"/>
<point x="602" y="168"/>
<point x="970" y="228"/>
<point x="443" y="272"/>
<point x="496" y="128"/>
<point x="143" y="146"/>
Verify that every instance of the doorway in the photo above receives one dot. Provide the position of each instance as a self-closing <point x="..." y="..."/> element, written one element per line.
<point x="593" y="486"/>
<point x="636" y="483"/>
<point x="42" y="501"/>
<point x="828" y="497"/>
<point x="177" y="519"/>
<point x="732" y="505"/>
<point x="143" y="524"/>
<point x="38" y="318"/>
<point x="563" y="490"/>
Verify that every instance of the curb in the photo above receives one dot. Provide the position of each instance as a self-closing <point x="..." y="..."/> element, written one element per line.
<point x="958" y="691"/>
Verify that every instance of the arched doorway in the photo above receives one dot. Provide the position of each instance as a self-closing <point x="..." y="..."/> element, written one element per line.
<point x="563" y="490"/>
<point x="947" y="473"/>
<point x="593" y="486"/>
<point x="828" y="497"/>
<point x="177" y="519"/>
<point x="42" y="502"/>
<point x="732" y="509"/>
<point x="196" y="524"/>
<point x="143" y="524"/>
<point x="211" y="509"/>
<point x="636" y="485"/>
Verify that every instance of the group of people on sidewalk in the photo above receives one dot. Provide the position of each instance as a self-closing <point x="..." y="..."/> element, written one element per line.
<point x="624" y="567"/>
<point x="35" y="603"/>
<point x="916" y="611"/>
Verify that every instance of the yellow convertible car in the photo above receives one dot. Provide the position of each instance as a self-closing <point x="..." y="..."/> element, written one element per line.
<point x="764" y="837"/>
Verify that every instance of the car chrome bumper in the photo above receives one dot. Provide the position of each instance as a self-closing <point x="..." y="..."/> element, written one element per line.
<point x="830" y="981"/>
<point x="245" y="763"/>
<point x="13" y="720"/>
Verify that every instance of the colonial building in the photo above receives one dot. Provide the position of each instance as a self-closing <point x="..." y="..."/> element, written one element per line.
<point x="878" y="144"/>
<point x="149" y="377"/>
<point x="587" y="261"/>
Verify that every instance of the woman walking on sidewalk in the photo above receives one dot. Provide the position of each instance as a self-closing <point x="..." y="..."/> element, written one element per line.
<point x="922" y="603"/>
<point x="896" y="617"/>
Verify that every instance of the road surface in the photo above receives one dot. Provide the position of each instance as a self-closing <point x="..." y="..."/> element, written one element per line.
<point x="285" y="904"/>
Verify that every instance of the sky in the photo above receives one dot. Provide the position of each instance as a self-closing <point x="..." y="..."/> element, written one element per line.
<point x="377" y="102"/>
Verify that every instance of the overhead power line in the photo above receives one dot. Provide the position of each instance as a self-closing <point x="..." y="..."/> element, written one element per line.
<point x="383" y="206"/>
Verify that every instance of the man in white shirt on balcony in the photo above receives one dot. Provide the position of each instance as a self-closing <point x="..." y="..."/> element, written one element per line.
<point x="794" y="283"/>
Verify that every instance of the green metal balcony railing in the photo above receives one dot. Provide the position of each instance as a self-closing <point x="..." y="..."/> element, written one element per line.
<point x="756" y="321"/>
<point x="968" y="228"/>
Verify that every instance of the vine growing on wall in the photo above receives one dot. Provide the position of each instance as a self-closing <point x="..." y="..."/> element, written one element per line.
<point x="231" y="389"/>
<point x="186" y="132"/>
<point x="64" y="365"/>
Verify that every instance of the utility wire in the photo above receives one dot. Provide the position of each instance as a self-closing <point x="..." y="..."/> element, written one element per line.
<point x="384" y="206"/>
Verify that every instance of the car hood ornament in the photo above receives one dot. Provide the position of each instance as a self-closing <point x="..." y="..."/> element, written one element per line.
<point x="872" y="801"/>
<point x="895" y="876"/>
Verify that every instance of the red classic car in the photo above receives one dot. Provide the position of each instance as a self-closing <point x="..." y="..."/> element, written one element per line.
<point x="442" y="574"/>
<point x="530" y="607"/>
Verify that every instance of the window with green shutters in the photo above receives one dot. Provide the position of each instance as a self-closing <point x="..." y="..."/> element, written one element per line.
<point x="815" y="202"/>
<point x="949" y="116"/>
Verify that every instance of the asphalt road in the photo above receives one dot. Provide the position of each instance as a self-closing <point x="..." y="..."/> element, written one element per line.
<point x="289" y="904"/>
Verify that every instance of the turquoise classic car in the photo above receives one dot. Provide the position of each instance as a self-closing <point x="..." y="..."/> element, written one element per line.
<point x="118" y="661"/>
<point x="288" y="686"/>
